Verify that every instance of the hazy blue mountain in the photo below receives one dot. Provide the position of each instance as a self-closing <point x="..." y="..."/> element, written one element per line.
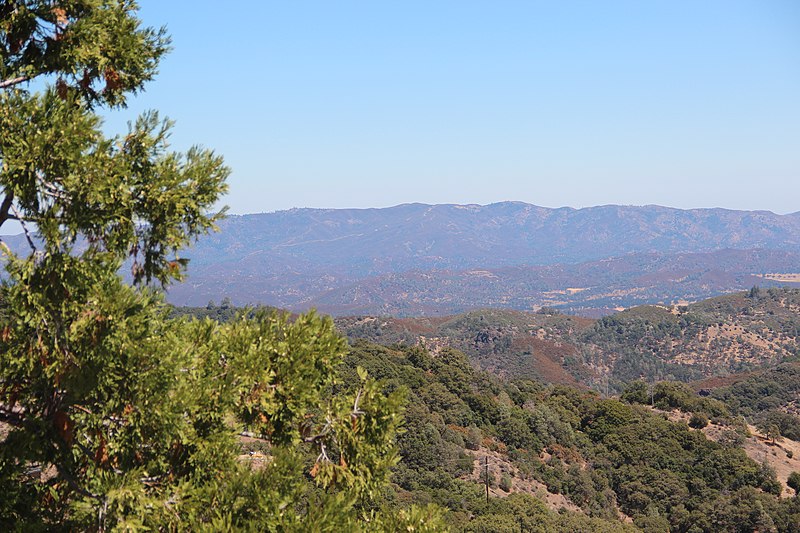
<point x="417" y="236"/>
<point x="304" y="257"/>
<point x="417" y="258"/>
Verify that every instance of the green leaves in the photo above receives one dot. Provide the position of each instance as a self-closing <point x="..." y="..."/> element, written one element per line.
<point x="132" y="410"/>
<point x="280" y="376"/>
<point x="129" y="197"/>
<point x="283" y="368"/>
<point x="362" y="431"/>
<point x="96" y="49"/>
<point x="117" y="416"/>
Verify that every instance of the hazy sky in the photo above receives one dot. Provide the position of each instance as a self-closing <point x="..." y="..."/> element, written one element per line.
<point x="376" y="103"/>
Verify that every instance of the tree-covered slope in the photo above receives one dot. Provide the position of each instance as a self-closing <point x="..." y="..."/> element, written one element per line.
<point x="561" y="456"/>
<point x="508" y="343"/>
<point x="609" y="459"/>
<point x="733" y="333"/>
<point x="727" y="334"/>
<point x="419" y="259"/>
<point x="594" y="288"/>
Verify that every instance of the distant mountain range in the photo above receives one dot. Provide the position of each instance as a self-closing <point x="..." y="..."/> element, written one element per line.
<point x="417" y="259"/>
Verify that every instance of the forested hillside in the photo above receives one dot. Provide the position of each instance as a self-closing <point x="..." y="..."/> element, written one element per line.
<point x="728" y="334"/>
<point x="724" y="335"/>
<point x="608" y="461"/>
<point x="508" y="343"/>
<point x="424" y="237"/>
<point x="512" y="390"/>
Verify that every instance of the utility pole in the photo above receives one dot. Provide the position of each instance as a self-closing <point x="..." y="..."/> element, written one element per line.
<point x="486" y="476"/>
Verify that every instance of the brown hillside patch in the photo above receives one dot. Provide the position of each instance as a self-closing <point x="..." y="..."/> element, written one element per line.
<point x="716" y="382"/>
<point x="418" y="326"/>
<point x="728" y="345"/>
<point x="581" y="322"/>
<point x="548" y="357"/>
<point x="734" y="332"/>
<point x="255" y="451"/>
<point x="412" y="326"/>
<point x="761" y="449"/>
<point x="499" y="465"/>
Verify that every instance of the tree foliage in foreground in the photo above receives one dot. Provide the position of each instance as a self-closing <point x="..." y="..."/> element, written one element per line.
<point x="113" y="415"/>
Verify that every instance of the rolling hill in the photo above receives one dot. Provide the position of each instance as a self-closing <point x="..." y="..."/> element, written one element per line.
<point x="715" y="337"/>
<point x="594" y="288"/>
<point x="508" y="254"/>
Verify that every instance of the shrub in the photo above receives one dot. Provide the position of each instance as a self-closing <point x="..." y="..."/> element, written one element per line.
<point x="473" y="438"/>
<point x="505" y="482"/>
<point x="794" y="482"/>
<point x="698" y="421"/>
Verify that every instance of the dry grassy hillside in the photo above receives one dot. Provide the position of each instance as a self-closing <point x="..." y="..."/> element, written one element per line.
<point x="716" y="337"/>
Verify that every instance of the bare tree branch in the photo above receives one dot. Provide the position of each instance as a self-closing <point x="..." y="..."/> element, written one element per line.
<point x="73" y="484"/>
<point x="5" y="206"/>
<point x="5" y="84"/>
<point x="24" y="227"/>
<point x="51" y="189"/>
<point x="356" y="410"/>
<point x="323" y="455"/>
<point x="322" y="433"/>
<point x="11" y="416"/>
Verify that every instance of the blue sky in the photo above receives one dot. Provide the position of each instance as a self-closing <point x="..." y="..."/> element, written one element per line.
<point x="578" y="103"/>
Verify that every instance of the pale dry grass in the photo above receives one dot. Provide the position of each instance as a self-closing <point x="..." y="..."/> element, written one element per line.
<point x="757" y="447"/>
<point x="782" y="277"/>
<point x="499" y="464"/>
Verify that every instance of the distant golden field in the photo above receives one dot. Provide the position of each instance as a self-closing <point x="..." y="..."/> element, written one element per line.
<point x="787" y="277"/>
